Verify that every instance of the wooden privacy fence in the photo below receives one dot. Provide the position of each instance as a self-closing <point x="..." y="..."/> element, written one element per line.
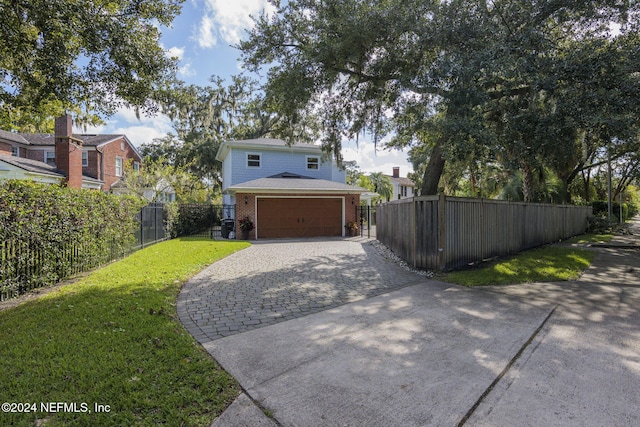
<point x="444" y="233"/>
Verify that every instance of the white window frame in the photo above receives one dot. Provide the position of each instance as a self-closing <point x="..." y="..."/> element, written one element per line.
<point x="136" y="166"/>
<point x="259" y="160"/>
<point x="15" y="151"/>
<point x="119" y="168"/>
<point x="310" y="163"/>
<point x="85" y="158"/>
<point x="122" y="145"/>
<point x="50" y="158"/>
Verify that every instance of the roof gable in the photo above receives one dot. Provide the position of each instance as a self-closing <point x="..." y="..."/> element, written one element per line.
<point x="31" y="165"/>
<point x="12" y="137"/>
<point x="36" y="166"/>
<point x="289" y="182"/>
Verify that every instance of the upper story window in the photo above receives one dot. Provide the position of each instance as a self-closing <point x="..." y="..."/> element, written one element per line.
<point x="85" y="159"/>
<point x="118" y="166"/>
<point x="313" y="163"/>
<point x="122" y="145"/>
<point x="15" y="151"/>
<point x="136" y="166"/>
<point x="253" y="160"/>
<point x="50" y="158"/>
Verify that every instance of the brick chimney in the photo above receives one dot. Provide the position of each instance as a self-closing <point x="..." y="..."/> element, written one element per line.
<point x="396" y="172"/>
<point x="68" y="152"/>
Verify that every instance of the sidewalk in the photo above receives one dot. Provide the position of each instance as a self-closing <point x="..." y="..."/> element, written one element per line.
<point x="618" y="261"/>
<point x="557" y="354"/>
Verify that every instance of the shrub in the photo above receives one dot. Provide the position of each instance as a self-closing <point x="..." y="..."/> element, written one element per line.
<point x="601" y="209"/>
<point x="49" y="233"/>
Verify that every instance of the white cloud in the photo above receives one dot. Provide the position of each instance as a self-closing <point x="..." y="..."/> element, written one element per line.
<point x="229" y="20"/>
<point x="138" y="131"/>
<point x="206" y="34"/>
<point x="371" y="159"/>
<point x="176" y="52"/>
<point x="186" y="68"/>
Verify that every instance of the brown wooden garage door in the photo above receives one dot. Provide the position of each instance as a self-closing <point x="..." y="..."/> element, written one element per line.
<point x="299" y="218"/>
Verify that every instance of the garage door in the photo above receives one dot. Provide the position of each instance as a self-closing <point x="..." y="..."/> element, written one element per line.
<point x="299" y="218"/>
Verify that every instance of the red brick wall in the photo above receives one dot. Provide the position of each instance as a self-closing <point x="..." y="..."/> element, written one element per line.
<point x="93" y="170"/>
<point x="69" y="161"/>
<point x="68" y="152"/>
<point x="111" y="152"/>
<point x="36" y="155"/>
<point x="249" y="209"/>
<point x="244" y="210"/>
<point x="5" y="148"/>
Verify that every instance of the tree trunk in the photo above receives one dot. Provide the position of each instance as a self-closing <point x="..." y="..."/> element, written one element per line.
<point x="527" y="182"/>
<point x="586" y="177"/>
<point x="433" y="171"/>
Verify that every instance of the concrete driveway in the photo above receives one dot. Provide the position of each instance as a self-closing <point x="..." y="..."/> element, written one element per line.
<point x="402" y="350"/>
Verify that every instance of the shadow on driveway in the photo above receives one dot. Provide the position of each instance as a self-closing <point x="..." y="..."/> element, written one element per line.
<point x="431" y="353"/>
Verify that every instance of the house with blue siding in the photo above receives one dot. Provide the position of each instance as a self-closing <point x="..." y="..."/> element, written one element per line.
<point x="287" y="190"/>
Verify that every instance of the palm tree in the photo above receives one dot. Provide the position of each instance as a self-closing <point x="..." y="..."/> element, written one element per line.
<point x="381" y="185"/>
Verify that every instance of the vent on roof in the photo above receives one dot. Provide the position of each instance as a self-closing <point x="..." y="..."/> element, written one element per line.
<point x="290" y="175"/>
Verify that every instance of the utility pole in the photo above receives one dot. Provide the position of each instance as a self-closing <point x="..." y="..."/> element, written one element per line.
<point x="609" y="207"/>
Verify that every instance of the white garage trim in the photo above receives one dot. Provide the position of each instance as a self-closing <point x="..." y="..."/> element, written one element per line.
<point x="343" y="197"/>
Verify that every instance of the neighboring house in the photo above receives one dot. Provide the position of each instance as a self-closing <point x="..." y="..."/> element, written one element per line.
<point x="82" y="160"/>
<point x="162" y="191"/>
<point x="12" y="167"/>
<point x="402" y="187"/>
<point x="286" y="190"/>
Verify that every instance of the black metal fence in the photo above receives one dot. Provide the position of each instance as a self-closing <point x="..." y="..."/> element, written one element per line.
<point x="205" y="220"/>
<point x="367" y="220"/>
<point x="153" y="225"/>
<point x="28" y="264"/>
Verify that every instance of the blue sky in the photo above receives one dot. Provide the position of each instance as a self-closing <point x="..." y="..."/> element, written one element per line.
<point x="202" y="37"/>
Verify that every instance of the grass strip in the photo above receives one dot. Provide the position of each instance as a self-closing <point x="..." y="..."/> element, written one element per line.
<point x="113" y="338"/>
<point x="548" y="264"/>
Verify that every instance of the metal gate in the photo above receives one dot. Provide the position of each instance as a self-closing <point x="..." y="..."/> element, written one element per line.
<point x="367" y="220"/>
<point x="205" y="220"/>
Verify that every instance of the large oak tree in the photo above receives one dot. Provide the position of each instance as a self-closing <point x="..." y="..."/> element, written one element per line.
<point x="454" y="75"/>
<point x="86" y="56"/>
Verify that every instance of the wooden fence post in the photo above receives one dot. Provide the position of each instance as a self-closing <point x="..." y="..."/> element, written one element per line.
<point x="442" y="235"/>
<point x="415" y="233"/>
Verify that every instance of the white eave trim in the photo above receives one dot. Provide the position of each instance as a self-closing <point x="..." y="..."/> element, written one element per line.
<point x="261" y="190"/>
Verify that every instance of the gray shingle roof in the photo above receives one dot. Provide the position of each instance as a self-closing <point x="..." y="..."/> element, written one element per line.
<point x="87" y="139"/>
<point x="39" y="167"/>
<point x="271" y="142"/>
<point x="11" y="136"/>
<point x="312" y="185"/>
<point x="31" y="165"/>
<point x="402" y="181"/>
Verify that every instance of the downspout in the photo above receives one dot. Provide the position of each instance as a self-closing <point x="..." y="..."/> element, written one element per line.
<point x="101" y="164"/>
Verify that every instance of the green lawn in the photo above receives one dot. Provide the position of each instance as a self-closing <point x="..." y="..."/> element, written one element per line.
<point x="113" y="338"/>
<point x="548" y="264"/>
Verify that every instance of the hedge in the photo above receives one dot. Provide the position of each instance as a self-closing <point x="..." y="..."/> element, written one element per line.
<point x="49" y="233"/>
<point x="601" y="208"/>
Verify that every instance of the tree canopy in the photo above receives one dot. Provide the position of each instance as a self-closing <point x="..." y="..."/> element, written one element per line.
<point x="205" y="116"/>
<point x="85" y="56"/>
<point x="520" y="85"/>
